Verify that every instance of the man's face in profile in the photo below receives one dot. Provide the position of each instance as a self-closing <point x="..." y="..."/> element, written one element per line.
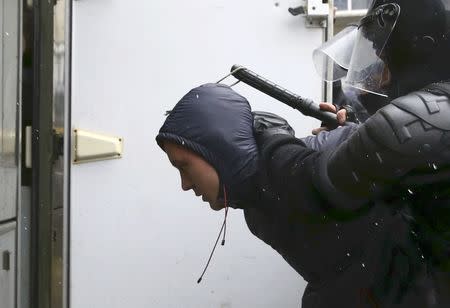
<point x="195" y="173"/>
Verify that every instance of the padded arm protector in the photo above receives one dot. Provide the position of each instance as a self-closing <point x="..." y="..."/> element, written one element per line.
<point x="409" y="133"/>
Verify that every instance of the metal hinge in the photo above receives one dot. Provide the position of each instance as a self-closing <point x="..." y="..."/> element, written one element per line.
<point x="315" y="11"/>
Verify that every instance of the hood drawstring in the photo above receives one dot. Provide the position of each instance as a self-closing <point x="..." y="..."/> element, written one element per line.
<point x="226" y="214"/>
<point x="223" y="228"/>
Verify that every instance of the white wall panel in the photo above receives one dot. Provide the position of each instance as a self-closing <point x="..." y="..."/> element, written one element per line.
<point x="137" y="240"/>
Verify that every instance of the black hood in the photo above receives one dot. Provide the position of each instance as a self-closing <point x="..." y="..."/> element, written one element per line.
<point x="216" y="123"/>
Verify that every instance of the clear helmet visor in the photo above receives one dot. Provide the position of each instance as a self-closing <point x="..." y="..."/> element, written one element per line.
<point x="368" y="72"/>
<point x="332" y="59"/>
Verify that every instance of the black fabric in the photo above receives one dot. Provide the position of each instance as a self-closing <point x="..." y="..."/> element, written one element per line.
<point x="439" y="88"/>
<point x="368" y="259"/>
<point x="269" y="123"/>
<point x="347" y="258"/>
<point x="430" y="204"/>
<point x="360" y="260"/>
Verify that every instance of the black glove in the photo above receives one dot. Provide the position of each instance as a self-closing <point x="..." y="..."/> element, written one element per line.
<point x="351" y="113"/>
<point x="266" y="124"/>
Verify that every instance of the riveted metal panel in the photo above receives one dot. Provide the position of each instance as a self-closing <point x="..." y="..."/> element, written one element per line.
<point x="9" y="66"/>
<point x="7" y="265"/>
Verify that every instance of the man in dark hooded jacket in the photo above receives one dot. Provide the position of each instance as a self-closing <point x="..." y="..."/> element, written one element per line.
<point x="342" y="215"/>
<point x="341" y="255"/>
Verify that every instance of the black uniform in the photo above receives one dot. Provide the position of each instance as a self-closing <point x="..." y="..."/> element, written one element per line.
<point x="350" y="258"/>
<point x="399" y="159"/>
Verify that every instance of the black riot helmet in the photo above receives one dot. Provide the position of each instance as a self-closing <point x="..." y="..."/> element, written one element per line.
<point x="401" y="46"/>
<point x="398" y="47"/>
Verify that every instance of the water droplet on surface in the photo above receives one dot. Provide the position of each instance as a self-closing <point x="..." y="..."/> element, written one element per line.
<point x="422" y="256"/>
<point x="263" y="189"/>
<point x="197" y="96"/>
<point x="376" y="224"/>
<point x="373" y="186"/>
<point x="363" y="265"/>
<point x="435" y="167"/>
<point x="380" y="160"/>
<point x="7" y="33"/>
<point x="355" y="176"/>
<point x="348" y="254"/>
<point x="410" y="192"/>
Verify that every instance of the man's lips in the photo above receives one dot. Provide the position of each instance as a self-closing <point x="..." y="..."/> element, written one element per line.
<point x="199" y="194"/>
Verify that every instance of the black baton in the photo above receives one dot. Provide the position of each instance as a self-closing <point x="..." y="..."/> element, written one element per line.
<point x="304" y="105"/>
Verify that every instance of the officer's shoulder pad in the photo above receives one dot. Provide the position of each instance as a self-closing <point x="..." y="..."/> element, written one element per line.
<point x="431" y="108"/>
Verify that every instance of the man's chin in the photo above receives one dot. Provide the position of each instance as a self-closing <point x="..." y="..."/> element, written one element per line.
<point x="216" y="206"/>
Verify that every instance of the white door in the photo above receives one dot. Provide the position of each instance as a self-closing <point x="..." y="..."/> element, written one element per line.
<point x="137" y="240"/>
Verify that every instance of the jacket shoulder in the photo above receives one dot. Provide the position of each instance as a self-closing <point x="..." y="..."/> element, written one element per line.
<point x="417" y="124"/>
<point x="430" y="108"/>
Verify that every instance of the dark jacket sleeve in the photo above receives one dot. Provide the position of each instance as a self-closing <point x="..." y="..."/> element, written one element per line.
<point x="407" y="134"/>
<point x="329" y="139"/>
<point x="289" y="164"/>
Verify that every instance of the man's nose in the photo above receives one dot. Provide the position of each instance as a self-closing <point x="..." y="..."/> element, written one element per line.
<point x="186" y="184"/>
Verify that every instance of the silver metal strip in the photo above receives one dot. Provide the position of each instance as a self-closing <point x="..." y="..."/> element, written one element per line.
<point x="350" y="13"/>
<point x="330" y="33"/>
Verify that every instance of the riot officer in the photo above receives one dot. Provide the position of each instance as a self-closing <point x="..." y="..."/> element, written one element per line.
<point x="399" y="70"/>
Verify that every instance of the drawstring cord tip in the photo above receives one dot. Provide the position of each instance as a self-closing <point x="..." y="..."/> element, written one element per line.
<point x="224" y="230"/>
